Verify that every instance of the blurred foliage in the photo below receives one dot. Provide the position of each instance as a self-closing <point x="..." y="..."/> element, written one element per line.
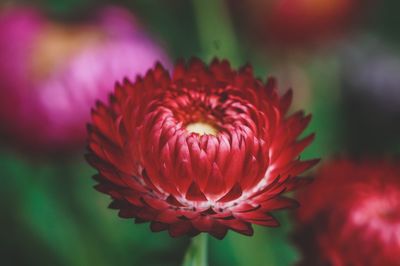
<point x="51" y="215"/>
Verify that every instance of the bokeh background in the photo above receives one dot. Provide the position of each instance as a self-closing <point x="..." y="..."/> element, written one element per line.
<point x="346" y="73"/>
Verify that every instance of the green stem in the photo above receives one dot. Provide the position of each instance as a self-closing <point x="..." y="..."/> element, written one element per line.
<point x="196" y="255"/>
<point x="216" y="34"/>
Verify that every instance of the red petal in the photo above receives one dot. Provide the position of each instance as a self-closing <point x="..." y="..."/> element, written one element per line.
<point x="194" y="193"/>
<point x="258" y="217"/>
<point x="216" y="184"/>
<point x="238" y="226"/>
<point x="180" y="228"/>
<point x="233" y="194"/>
<point x="158" y="227"/>
<point x="286" y="100"/>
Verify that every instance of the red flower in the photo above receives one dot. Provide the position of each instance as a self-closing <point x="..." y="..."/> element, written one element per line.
<point x="351" y="215"/>
<point x="309" y="20"/>
<point x="205" y="150"/>
<point x="297" y="23"/>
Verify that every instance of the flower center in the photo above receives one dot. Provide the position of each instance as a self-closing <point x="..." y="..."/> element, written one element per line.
<point x="202" y="128"/>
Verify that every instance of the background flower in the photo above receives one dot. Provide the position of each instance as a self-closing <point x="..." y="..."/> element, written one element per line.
<point x="56" y="70"/>
<point x="350" y="214"/>
<point x="299" y="23"/>
<point x="206" y="150"/>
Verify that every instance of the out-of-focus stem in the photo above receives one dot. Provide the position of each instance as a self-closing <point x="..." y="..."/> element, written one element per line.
<point x="196" y="255"/>
<point x="215" y="29"/>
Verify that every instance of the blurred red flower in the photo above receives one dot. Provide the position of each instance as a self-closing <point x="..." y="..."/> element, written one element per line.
<point x="51" y="72"/>
<point x="350" y="215"/>
<point x="293" y="23"/>
<point x="205" y="150"/>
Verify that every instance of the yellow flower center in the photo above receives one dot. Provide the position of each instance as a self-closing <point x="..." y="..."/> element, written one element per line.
<point x="202" y="128"/>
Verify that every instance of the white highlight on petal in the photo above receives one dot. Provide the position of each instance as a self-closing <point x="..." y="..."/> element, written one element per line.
<point x="380" y="214"/>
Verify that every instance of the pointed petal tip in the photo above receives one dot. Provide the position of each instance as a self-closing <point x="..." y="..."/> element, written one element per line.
<point x="219" y="234"/>
<point x="194" y="193"/>
<point x="272" y="82"/>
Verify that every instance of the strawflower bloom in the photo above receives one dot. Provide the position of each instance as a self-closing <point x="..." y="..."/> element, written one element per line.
<point x="205" y="149"/>
<point x="52" y="72"/>
<point x="350" y="214"/>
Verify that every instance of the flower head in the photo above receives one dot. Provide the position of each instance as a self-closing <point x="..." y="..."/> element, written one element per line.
<point x="51" y="72"/>
<point x="206" y="149"/>
<point x="351" y="212"/>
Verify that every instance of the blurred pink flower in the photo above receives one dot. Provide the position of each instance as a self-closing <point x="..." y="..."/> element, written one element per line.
<point x="51" y="73"/>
